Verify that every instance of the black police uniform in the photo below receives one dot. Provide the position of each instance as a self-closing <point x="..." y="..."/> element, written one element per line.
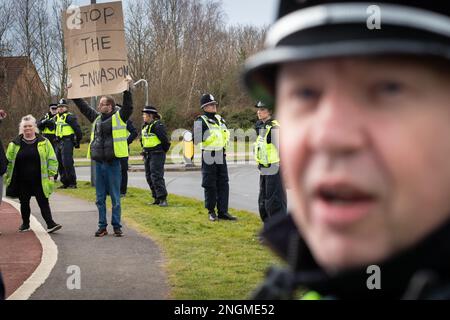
<point x="155" y="158"/>
<point x="339" y="29"/>
<point x="272" y="194"/>
<point x="124" y="161"/>
<point x="64" y="152"/>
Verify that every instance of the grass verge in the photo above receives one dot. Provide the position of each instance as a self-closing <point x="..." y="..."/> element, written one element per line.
<point x="204" y="260"/>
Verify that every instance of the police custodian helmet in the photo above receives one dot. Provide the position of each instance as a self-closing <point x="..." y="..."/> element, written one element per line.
<point x="314" y="29"/>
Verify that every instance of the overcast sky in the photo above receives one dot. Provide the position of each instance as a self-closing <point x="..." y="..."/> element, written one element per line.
<point x="247" y="12"/>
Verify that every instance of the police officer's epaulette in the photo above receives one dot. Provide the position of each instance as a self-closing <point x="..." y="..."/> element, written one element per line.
<point x="274" y="123"/>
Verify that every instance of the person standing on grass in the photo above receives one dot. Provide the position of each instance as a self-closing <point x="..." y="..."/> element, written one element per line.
<point x="32" y="166"/>
<point x="272" y="194"/>
<point x="132" y="135"/>
<point x="211" y="132"/>
<point x="155" y="144"/>
<point x="108" y="145"/>
<point x="68" y="136"/>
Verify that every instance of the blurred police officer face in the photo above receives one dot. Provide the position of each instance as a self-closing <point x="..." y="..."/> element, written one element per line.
<point x="53" y="110"/>
<point x="365" y="151"/>
<point x="104" y="106"/>
<point x="211" y="108"/>
<point x="147" y="117"/>
<point x="61" y="109"/>
<point x="263" y="114"/>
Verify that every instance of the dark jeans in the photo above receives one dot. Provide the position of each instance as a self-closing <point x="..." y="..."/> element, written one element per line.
<point x="124" y="171"/>
<point x="215" y="183"/>
<point x="272" y="196"/>
<point x="25" y="195"/>
<point x="64" y="154"/>
<point x="107" y="180"/>
<point x="154" y="173"/>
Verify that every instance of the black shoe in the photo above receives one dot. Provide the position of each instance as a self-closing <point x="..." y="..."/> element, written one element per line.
<point x="154" y="203"/>
<point x="54" y="228"/>
<point x="101" y="232"/>
<point x="118" y="232"/>
<point x="212" y="216"/>
<point x="24" y="228"/>
<point x="62" y="187"/>
<point x="226" y="216"/>
<point x="163" y="203"/>
<point x="72" y="186"/>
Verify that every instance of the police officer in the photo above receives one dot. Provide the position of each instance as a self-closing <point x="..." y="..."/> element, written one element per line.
<point x="362" y="92"/>
<point x="47" y="124"/>
<point x="68" y="136"/>
<point x="272" y="195"/>
<point x="155" y="144"/>
<point x="211" y="132"/>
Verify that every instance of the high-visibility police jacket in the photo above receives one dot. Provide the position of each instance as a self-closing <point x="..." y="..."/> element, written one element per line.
<point x="49" y="129"/>
<point x="118" y="129"/>
<point x="63" y="129"/>
<point x="219" y="135"/>
<point x="266" y="153"/>
<point x="149" y="139"/>
<point x="49" y="163"/>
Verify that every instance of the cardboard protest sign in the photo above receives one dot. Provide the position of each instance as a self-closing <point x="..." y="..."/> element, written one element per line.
<point x="94" y="37"/>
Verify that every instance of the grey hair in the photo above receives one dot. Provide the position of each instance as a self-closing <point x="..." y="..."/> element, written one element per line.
<point x="28" y="117"/>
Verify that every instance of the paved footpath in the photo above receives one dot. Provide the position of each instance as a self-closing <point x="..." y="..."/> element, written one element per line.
<point x="20" y="253"/>
<point x="110" y="268"/>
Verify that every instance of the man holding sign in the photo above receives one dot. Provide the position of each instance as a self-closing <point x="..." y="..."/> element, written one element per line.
<point x="107" y="146"/>
<point x="94" y="38"/>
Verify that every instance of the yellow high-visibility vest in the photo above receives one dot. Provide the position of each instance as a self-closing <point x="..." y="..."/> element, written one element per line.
<point x="219" y="135"/>
<point x="266" y="153"/>
<point x="149" y="140"/>
<point x="119" y="134"/>
<point x="63" y="129"/>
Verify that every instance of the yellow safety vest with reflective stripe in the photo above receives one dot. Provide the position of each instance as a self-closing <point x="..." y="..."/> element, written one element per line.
<point x="63" y="129"/>
<point x="266" y="153"/>
<point x="47" y="130"/>
<point x="149" y="140"/>
<point x="49" y="164"/>
<point x="119" y="135"/>
<point x="219" y="135"/>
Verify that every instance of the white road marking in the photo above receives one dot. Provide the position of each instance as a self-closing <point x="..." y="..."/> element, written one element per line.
<point x="48" y="259"/>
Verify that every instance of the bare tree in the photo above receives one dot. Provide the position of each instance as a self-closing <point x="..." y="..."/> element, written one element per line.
<point x="59" y="60"/>
<point x="5" y="26"/>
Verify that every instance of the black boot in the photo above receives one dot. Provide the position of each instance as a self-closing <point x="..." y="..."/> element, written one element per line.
<point x="226" y="216"/>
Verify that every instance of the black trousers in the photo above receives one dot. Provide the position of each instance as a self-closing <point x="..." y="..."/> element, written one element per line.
<point x="154" y="173"/>
<point x="25" y="194"/>
<point x="124" y="171"/>
<point x="272" y="195"/>
<point x="66" y="169"/>
<point x="215" y="182"/>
